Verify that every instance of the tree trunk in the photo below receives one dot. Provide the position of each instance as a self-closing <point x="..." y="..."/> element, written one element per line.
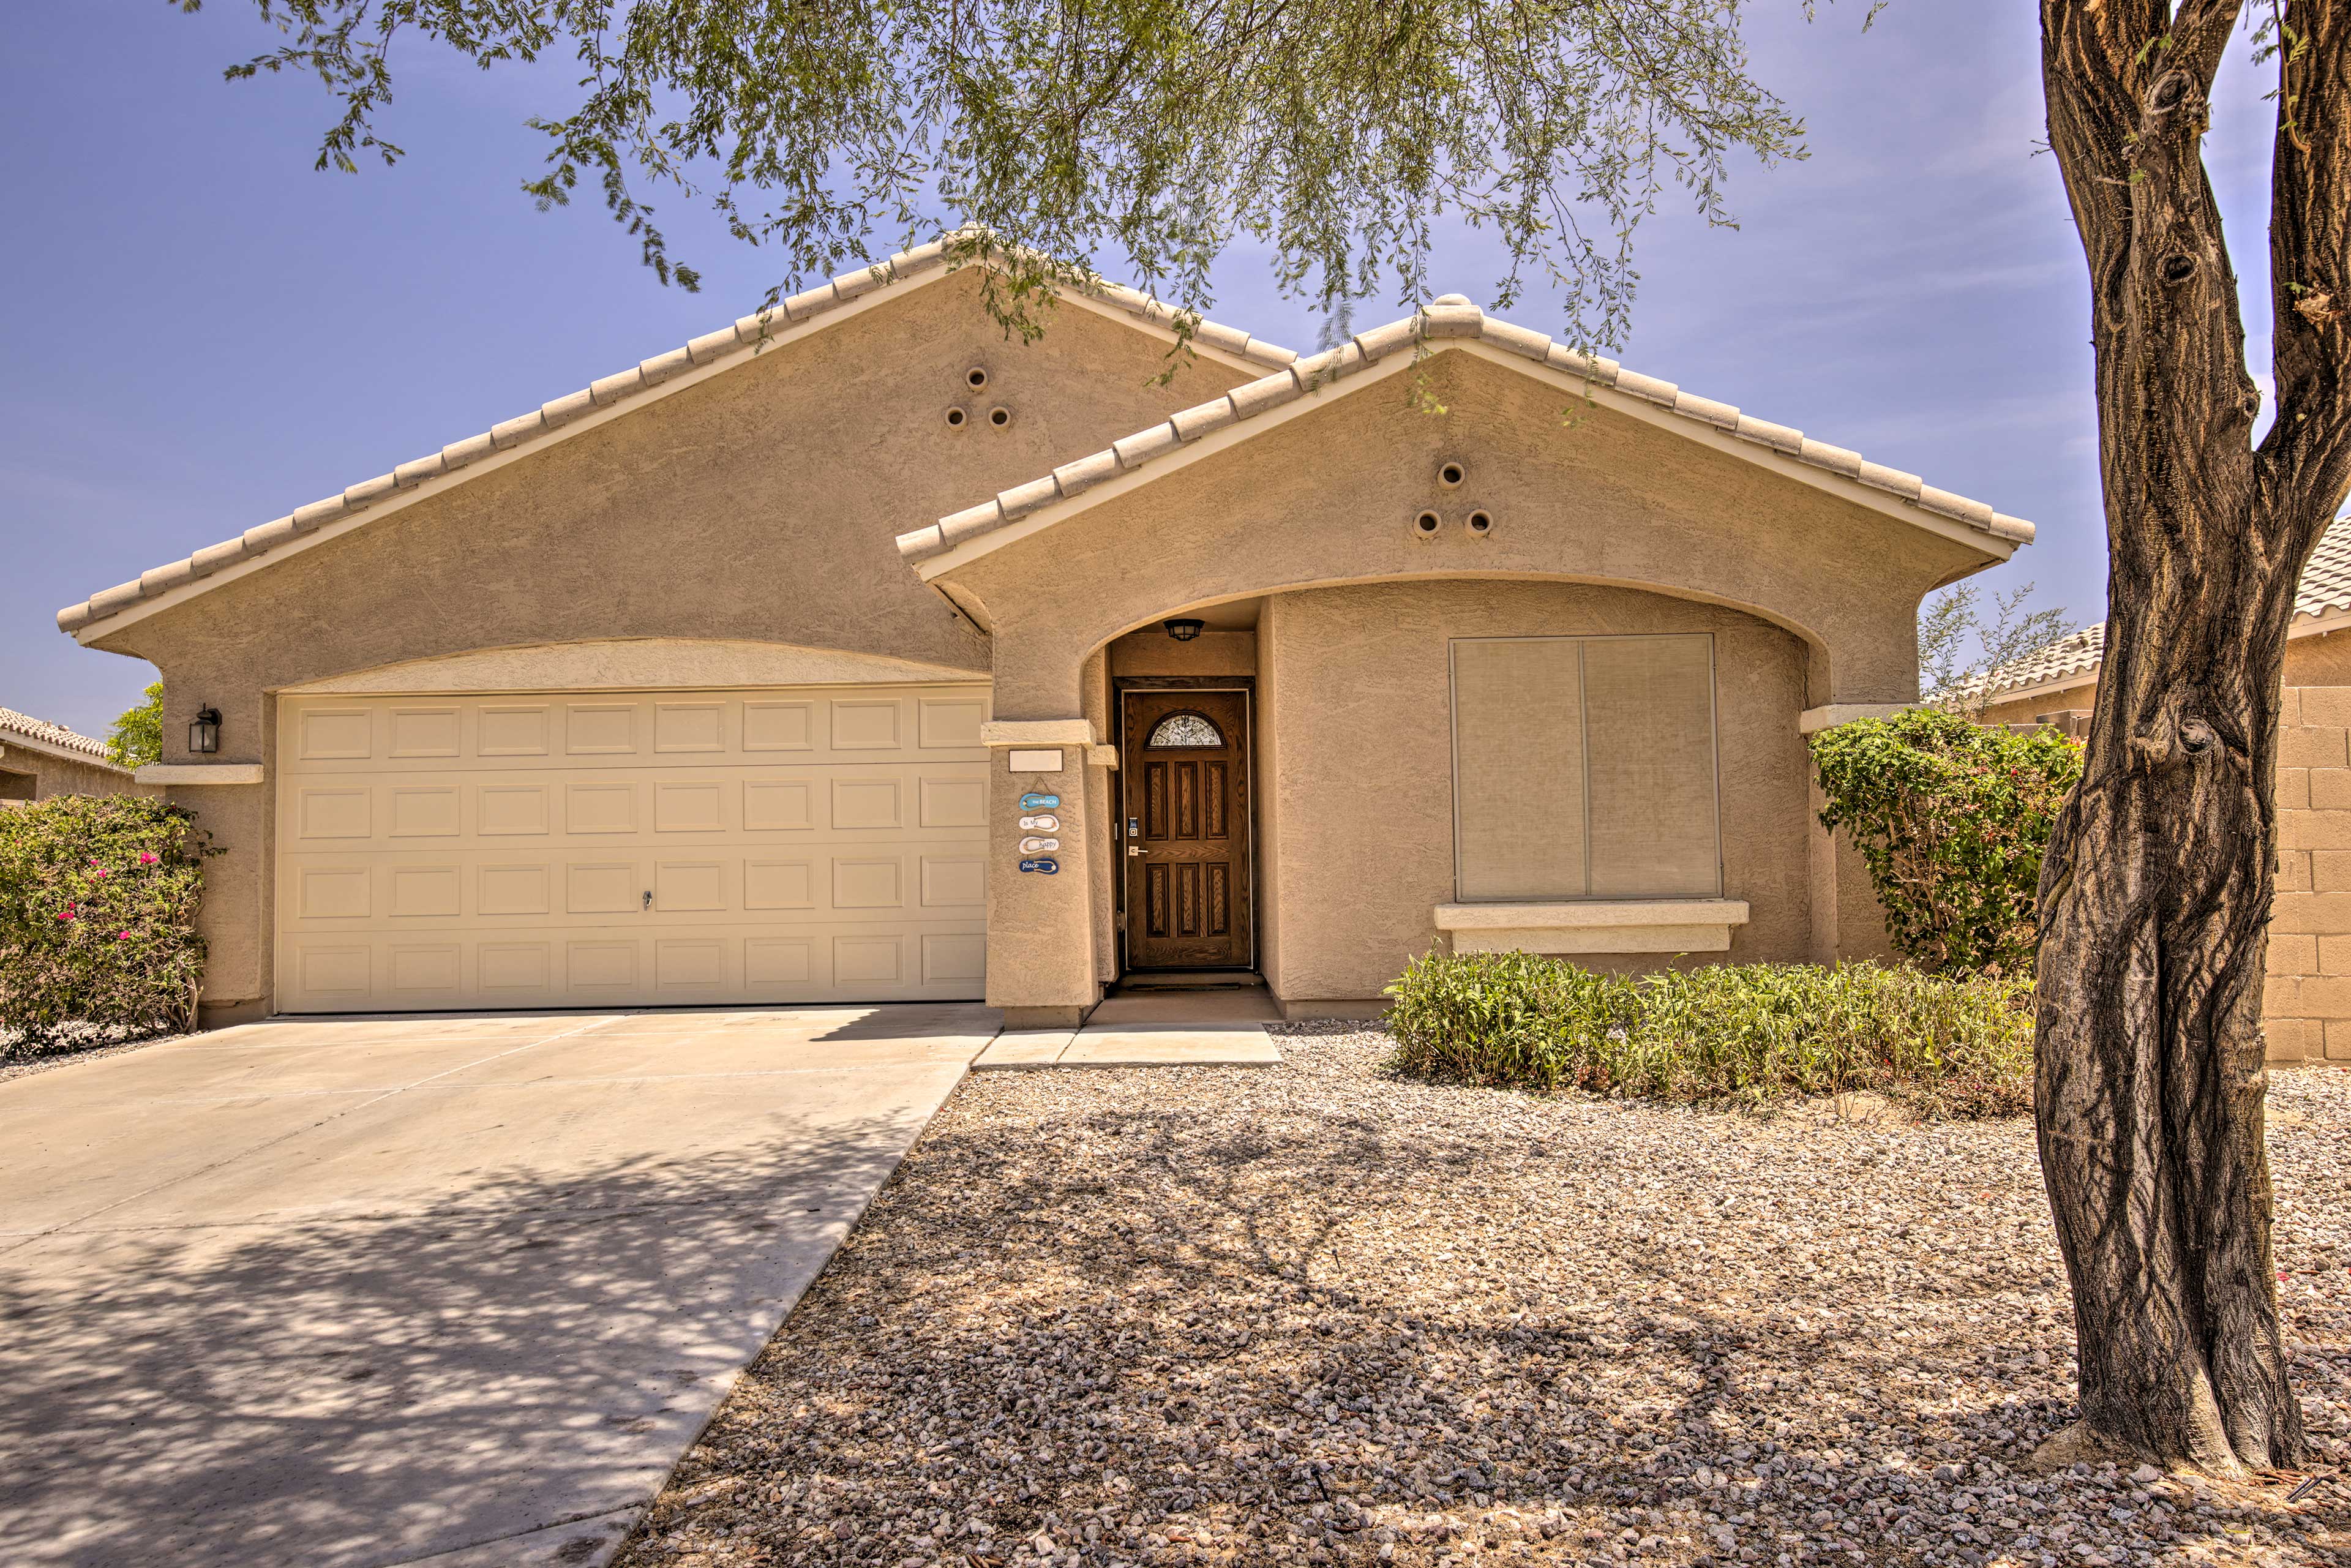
<point x="2154" y="897"/>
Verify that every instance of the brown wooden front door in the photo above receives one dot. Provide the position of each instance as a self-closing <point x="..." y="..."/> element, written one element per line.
<point x="1185" y="764"/>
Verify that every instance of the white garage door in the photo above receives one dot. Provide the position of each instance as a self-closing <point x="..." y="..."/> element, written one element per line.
<point x="807" y="844"/>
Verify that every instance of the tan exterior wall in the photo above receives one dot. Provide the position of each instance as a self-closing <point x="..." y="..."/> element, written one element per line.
<point x="759" y="505"/>
<point x="2319" y="661"/>
<point x="1273" y="682"/>
<point x="53" y="775"/>
<point x="2306" y="1002"/>
<point x="1102" y="805"/>
<point x="2053" y="707"/>
<point x="1358" y="768"/>
<point x="1151" y="651"/>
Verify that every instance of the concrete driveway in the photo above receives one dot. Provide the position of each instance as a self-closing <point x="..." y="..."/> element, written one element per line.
<point x="452" y="1290"/>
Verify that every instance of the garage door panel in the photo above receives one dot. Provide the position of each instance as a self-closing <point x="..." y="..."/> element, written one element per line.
<point x="690" y="730"/>
<point x="419" y="733"/>
<point x="627" y="849"/>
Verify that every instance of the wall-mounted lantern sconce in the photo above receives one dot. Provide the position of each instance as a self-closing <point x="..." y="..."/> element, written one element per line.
<point x="204" y="732"/>
<point x="1183" y="628"/>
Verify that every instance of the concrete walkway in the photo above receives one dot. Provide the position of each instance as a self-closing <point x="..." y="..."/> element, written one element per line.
<point x="349" y="1294"/>
<point x="1150" y="1029"/>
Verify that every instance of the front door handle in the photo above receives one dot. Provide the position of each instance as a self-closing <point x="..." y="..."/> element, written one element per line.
<point x="1134" y="848"/>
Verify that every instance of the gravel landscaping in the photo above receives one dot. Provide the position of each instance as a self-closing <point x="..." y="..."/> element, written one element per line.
<point x="1315" y="1313"/>
<point x="92" y="1043"/>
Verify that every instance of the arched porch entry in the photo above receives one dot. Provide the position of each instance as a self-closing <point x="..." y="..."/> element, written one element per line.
<point x="1567" y="716"/>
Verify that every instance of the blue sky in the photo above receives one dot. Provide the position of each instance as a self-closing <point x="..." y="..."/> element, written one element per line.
<point x="203" y="333"/>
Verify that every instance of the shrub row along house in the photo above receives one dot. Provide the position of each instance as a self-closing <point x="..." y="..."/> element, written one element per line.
<point x="2307" y="1005"/>
<point x="39" y="760"/>
<point x="859" y="653"/>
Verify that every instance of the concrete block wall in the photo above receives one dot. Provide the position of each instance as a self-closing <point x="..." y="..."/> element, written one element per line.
<point x="2307" y="1000"/>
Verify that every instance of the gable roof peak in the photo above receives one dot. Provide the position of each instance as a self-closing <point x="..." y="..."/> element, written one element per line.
<point x="551" y="422"/>
<point x="1433" y="328"/>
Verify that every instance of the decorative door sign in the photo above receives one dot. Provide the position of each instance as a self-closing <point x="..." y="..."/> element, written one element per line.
<point x="1045" y="864"/>
<point x="1042" y="824"/>
<point x="1032" y="801"/>
<point x="1038" y="846"/>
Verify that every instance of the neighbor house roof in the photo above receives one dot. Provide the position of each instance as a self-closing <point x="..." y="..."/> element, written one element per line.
<point x="1447" y="319"/>
<point x="549" y="421"/>
<point x="39" y="735"/>
<point x="2320" y="603"/>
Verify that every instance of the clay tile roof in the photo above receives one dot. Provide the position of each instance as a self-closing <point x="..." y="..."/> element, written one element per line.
<point x="2074" y="654"/>
<point x="2325" y="589"/>
<point x="741" y="337"/>
<point x="24" y="725"/>
<point x="1447" y="318"/>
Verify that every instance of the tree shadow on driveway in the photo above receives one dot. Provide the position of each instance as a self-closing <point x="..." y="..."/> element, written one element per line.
<point x="368" y="1389"/>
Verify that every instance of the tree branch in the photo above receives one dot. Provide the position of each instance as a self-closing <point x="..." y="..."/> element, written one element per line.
<point x="2305" y="459"/>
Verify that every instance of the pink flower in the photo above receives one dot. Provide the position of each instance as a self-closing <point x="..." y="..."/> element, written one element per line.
<point x="102" y="873"/>
<point x="147" y="857"/>
<point x="123" y="936"/>
<point x="70" y="913"/>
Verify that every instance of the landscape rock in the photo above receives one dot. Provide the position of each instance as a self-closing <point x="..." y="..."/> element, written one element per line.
<point x="1316" y="1313"/>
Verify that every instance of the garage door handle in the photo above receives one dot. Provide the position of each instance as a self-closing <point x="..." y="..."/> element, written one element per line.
<point x="649" y="900"/>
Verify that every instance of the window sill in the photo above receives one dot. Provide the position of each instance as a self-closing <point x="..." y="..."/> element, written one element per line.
<point x="1646" y="926"/>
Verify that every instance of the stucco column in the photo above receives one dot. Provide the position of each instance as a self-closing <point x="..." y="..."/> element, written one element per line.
<point x="1040" y="924"/>
<point x="1848" y="925"/>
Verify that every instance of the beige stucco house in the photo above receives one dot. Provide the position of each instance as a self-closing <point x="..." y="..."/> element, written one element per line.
<point x="40" y="760"/>
<point x="859" y="653"/>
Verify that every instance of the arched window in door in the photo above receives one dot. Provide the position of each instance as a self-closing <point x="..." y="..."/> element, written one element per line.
<point x="1185" y="729"/>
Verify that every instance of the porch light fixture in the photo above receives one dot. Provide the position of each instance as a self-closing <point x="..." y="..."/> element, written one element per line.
<point x="1183" y="628"/>
<point x="204" y="732"/>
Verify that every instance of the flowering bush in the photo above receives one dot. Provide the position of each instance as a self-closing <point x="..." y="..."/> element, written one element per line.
<point x="1952" y="820"/>
<point x="98" y="921"/>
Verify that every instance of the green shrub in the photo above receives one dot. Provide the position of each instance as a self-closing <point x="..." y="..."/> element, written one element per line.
<point x="98" y="921"/>
<point x="1724" y="1034"/>
<point x="1952" y="820"/>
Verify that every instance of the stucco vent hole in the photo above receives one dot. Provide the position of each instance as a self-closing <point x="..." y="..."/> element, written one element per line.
<point x="1481" y="523"/>
<point x="956" y="417"/>
<point x="976" y="377"/>
<point x="999" y="417"/>
<point x="1452" y="473"/>
<point x="1426" y="523"/>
